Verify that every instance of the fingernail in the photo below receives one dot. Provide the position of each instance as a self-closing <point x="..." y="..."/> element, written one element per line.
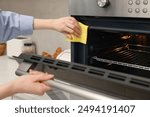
<point x="51" y="75"/>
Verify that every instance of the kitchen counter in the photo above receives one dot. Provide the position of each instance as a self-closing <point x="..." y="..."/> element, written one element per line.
<point x="7" y="70"/>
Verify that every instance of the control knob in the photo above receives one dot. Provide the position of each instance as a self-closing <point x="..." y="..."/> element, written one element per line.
<point x="103" y="3"/>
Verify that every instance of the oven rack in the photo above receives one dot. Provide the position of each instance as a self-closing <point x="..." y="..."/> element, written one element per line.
<point x="131" y="59"/>
<point x="110" y="62"/>
<point x="113" y="83"/>
<point x="135" y="56"/>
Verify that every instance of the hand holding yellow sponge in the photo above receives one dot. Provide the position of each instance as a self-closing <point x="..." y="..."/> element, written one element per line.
<point x="83" y="37"/>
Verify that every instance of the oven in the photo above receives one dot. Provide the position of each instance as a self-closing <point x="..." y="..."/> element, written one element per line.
<point x="115" y="61"/>
<point x="118" y="38"/>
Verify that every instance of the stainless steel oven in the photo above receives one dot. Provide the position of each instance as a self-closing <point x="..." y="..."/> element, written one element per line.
<point x="118" y="38"/>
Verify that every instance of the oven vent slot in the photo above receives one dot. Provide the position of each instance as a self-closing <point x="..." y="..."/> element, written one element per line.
<point x="36" y="58"/>
<point x="63" y="64"/>
<point x="48" y="61"/>
<point x="117" y="77"/>
<point x="96" y="72"/>
<point x="139" y="82"/>
<point x="53" y="67"/>
<point x="79" y="68"/>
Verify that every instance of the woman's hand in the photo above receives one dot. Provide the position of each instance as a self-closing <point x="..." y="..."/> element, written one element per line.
<point x="32" y="83"/>
<point x="68" y="26"/>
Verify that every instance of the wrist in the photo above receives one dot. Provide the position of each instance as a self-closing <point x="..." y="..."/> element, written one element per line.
<point x="51" y="24"/>
<point x="12" y="88"/>
<point x="7" y="90"/>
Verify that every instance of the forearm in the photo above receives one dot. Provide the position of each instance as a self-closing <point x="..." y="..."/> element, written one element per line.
<point x="6" y="90"/>
<point x="43" y="24"/>
<point x="66" y="25"/>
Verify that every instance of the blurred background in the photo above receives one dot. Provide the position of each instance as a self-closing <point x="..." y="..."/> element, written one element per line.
<point x="47" y="41"/>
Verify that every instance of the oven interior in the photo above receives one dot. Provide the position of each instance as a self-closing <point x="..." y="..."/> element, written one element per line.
<point x="118" y="44"/>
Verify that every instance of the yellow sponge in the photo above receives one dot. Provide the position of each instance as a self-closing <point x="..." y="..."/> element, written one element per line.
<point x="83" y="37"/>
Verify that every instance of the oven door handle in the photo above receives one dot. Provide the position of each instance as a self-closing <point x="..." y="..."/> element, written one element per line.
<point x="70" y="88"/>
<point x="77" y="90"/>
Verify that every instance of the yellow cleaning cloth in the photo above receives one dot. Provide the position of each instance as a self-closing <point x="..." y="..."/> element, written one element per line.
<point x="83" y="37"/>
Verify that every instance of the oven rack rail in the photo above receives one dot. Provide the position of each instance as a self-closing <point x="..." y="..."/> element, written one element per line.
<point x="121" y="63"/>
<point x="113" y="83"/>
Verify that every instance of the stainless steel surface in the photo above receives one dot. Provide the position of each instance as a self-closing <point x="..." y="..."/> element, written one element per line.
<point x="116" y="8"/>
<point x="79" y="91"/>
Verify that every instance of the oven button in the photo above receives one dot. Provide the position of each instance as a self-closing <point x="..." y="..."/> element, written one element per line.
<point x="145" y="10"/>
<point x="103" y="3"/>
<point x="130" y="10"/>
<point x="137" y="2"/>
<point x="145" y="2"/>
<point x="130" y="2"/>
<point x="137" y="10"/>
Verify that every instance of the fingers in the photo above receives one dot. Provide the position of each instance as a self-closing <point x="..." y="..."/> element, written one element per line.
<point x="33" y="72"/>
<point x="40" y="76"/>
<point x="73" y="27"/>
<point x="69" y="36"/>
<point x="39" y="89"/>
<point x="44" y="88"/>
<point x="43" y="77"/>
<point x="69" y="26"/>
<point x="76" y="24"/>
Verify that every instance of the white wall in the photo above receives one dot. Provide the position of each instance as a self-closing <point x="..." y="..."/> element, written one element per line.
<point x="45" y="40"/>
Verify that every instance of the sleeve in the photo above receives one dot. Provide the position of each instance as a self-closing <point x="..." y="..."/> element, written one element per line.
<point x="13" y="25"/>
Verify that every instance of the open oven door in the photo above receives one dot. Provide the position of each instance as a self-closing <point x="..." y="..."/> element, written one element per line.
<point x="86" y="81"/>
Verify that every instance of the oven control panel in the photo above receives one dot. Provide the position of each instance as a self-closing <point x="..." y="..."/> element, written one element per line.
<point x="110" y="8"/>
<point x="138" y="6"/>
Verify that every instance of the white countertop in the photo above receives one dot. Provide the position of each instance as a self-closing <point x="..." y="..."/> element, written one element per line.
<point x="7" y="69"/>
